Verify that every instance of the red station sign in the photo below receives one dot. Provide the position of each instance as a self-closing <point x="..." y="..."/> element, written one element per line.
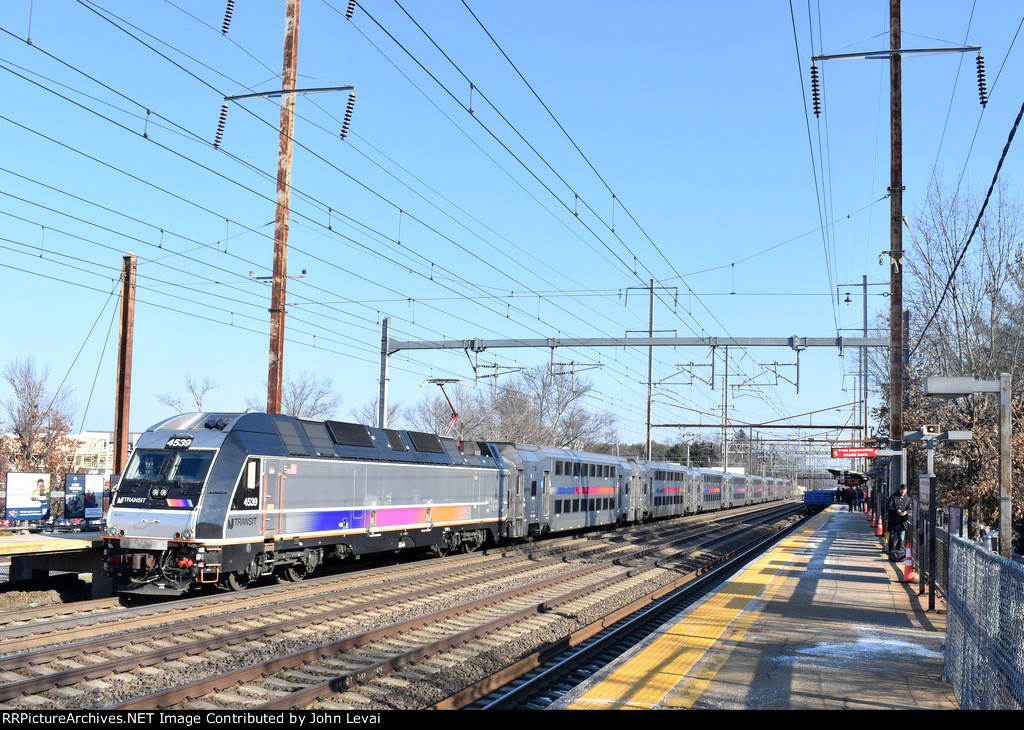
<point x="854" y="453"/>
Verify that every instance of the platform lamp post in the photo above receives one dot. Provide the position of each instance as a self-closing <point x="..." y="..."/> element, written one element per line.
<point x="931" y="434"/>
<point x="940" y="387"/>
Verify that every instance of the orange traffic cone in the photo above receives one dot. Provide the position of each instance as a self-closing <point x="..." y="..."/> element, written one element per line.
<point x="908" y="566"/>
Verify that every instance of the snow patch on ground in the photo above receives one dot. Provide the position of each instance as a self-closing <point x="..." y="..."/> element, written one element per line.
<point x="867" y="648"/>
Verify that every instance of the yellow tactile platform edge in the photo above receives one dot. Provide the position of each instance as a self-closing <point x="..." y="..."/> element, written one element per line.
<point x="674" y="669"/>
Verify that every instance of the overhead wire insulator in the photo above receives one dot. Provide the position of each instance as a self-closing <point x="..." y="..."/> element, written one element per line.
<point x="982" y="94"/>
<point x="351" y="9"/>
<point x="348" y="115"/>
<point x="220" y="126"/>
<point x="815" y="90"/>
<point x="227" y="17"/>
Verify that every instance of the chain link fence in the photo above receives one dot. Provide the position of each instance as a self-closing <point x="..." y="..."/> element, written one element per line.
<point x="942" y="545"/>
<point x="984" y="628"/>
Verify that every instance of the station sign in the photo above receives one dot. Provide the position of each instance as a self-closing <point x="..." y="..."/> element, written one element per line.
<point x="854" y="453"/>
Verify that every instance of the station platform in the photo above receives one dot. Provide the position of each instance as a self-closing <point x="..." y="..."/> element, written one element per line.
<point x="35" y="554"/>
<point x="47" y="542"/>
<point x="823" y="621"/>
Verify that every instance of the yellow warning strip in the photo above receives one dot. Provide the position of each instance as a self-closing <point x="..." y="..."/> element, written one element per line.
<point x="670" y="671"/>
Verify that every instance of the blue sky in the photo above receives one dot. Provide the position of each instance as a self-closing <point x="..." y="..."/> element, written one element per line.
<point x="664" y="140"/>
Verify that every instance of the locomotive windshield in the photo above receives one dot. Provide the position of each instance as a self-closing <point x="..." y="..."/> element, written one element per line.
<point x="169" y="476"/>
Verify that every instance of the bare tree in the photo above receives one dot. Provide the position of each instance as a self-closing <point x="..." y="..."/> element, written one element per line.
<point x="196" y="389"/>
<point x="539" y="407"/>
<point x="310" y="396"/>
<point x="39" y="423"/>
<point x="367" y="414"/>
<point x="978" y="327"/>
<point x="433" y="414"/>
<point x="306" y="395"/>
<point x="532" y="407"/>
<point x="967" y="304"/>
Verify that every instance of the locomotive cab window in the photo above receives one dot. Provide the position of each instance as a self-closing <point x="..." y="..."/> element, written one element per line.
<point x="166" y="474"/>
<point x="247" y="492"/>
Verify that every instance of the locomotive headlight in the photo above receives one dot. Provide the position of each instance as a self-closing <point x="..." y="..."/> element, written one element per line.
<point x="188" y="534"/>
<point x="112" y="531"/>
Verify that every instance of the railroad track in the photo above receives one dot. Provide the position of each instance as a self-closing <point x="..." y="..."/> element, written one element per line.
<point x="79" y="618"/>
<point x="406" y="638"/>
<point x="540" y="681"/>
<point x="32" y="627"/>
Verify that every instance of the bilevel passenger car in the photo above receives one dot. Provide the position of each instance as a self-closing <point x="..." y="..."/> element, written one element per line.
<point x="228" y="498"/>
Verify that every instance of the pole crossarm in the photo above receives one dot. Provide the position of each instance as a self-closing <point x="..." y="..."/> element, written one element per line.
<point x="870" y="55"/>
<point x="796" y="343"/>
<point x="282" y="92"/>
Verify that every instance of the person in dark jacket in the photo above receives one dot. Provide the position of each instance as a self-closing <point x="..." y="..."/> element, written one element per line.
<point x="899" y="515"/>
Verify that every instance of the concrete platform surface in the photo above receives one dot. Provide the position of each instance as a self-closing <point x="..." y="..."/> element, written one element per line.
<point x="821" y="622"/>
<point x="46" y="542"/>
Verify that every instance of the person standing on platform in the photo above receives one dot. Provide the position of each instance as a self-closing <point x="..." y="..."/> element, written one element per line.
<point x="862" y="500"/>
<point x="899" y="515"/>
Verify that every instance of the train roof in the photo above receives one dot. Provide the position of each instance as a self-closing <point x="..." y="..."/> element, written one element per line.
<point x="569" y="454"/>
<point x="283" y="435"/>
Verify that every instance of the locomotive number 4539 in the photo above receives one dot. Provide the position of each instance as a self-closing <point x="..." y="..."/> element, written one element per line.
<point x="179" y="442"/>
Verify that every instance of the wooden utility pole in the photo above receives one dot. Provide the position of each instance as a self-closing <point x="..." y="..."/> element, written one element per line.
<point x="284" y="186"/>
<point x="898" y="326"/>
<point x="124" y="363"/>
<point x="864" y="373"/>
<point x="896" y="366"/>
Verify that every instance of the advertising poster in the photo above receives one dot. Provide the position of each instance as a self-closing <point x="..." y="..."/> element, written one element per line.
<point x="956" y="521"/>
<point x="28" y="496"/>
<point x="74" y="496"/>
<point x="93" y="496"/>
